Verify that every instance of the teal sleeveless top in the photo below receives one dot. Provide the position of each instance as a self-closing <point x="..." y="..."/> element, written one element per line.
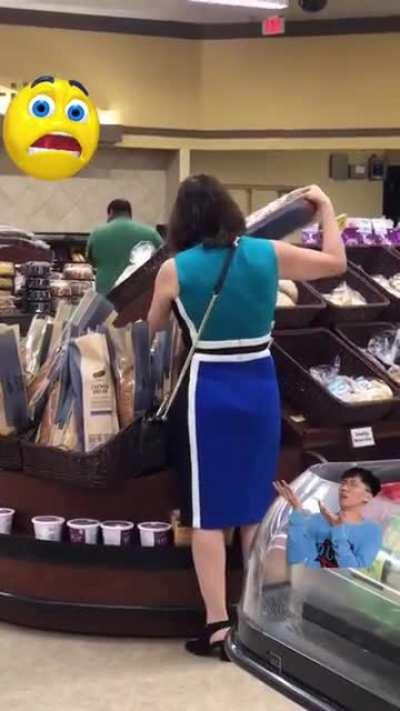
<point x="245" y="308"/>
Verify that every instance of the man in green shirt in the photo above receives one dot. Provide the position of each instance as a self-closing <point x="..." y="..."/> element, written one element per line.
<point x="110" y="246"/>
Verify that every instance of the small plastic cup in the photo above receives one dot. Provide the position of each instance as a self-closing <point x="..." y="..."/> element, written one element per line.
<point x="6" y="520"/>
<point x="117" y="533"/>
<point x="48" y="528"/>
<point x="83" y="530"/>
<point x="154" y="534"/>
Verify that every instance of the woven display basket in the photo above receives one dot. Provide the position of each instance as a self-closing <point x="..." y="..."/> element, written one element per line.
<point x="376" y="301"/>
<point x="372" y="261"/>
<point x="106" y="466"/>
<point x="309" y="306"/>
<point x="10" y="453"/>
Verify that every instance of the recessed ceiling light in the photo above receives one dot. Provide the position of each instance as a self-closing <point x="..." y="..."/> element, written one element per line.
<point x="262" y="4"/>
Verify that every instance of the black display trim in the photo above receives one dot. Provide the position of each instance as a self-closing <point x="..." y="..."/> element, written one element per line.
<point x="323" y="685"/>
<point x="356" y="629"/>
<point x="196" y="31"/>
<point x="114" y="620"/>
<point x="112" y="557"/>
<point x="78" y="618"/>
<point x="259" y="668"/>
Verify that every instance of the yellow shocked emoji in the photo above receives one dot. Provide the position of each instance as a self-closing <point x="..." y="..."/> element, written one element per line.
<point x="51" y="128"/>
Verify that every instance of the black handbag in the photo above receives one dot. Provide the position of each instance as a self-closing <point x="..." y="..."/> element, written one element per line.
<point x="153" y="449"/>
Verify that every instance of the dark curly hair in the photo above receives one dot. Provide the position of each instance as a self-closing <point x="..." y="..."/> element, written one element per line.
<point x="204" y="213"/>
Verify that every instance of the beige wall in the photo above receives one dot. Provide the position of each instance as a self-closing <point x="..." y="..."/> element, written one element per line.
<point x="149" y="81"/>
<point x="292" y="168"/>
<point x="323" y="82"/>
<point x="338" y="82"/>
<point x="80" y="204"/>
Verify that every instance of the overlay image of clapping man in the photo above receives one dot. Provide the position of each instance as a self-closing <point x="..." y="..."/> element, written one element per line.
<point x="335" y="540"/>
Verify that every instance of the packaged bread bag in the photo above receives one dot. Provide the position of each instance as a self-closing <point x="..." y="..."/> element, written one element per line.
<point x="167" y="356"/>
<point x="14" y="413"/>
<point x="130" y="358"/>
<point x="123" y="359"/>
<point x="93" y="390"/>
<point x="58" y="427"/>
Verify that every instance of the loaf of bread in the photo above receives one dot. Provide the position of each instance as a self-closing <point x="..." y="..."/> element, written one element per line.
<point x="290" y="289"/>
<point x="284" y="301"/>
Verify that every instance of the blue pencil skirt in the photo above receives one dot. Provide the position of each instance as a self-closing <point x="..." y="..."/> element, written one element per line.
<point x="225" y="438"/>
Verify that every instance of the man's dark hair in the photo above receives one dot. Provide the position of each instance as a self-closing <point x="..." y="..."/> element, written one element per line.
<point x="204" y="212"/>
<point x="367" y="477"/>
<point x="117" y="208"/>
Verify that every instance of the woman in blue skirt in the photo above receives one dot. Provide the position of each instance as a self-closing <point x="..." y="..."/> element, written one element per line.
<point x="225" y="433"/>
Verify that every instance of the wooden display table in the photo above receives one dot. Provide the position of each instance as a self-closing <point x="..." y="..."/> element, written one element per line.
<point x="98" y="589"/>
<point x="102" y="589"/>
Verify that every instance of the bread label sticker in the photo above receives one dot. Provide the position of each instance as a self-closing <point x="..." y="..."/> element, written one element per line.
<point x="362" y="437"/>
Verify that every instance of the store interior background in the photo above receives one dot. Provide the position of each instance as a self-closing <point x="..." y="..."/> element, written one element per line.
<point x="182" y="106"/>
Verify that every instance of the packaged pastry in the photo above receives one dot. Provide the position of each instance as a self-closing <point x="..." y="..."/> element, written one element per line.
<point x="38" y="295"/>
<point x="38" y="307"/>
<point x="7" y="269"/>
<point x="344" y="296"/>
<point x="37" y="269"/>
<point x="34" y="283"/>
<point x="78" y="272"/>
<point x="6" y="284"/>
<point x="60" y="289"/>
<point x="7" y="303"/>
<point x="93" y="390"/>
<point x="390" y="284"/>
<point x="351" y="390"/>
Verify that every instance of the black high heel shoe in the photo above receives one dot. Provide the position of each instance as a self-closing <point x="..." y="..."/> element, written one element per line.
<point x="202" y="646"/>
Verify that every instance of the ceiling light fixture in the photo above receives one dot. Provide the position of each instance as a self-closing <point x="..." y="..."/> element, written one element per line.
<point x="261" y="4"/>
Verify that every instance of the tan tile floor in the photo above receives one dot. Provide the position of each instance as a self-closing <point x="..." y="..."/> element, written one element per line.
<point x="52" y="672"/>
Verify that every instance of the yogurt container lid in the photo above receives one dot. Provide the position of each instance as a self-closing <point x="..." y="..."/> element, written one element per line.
<point x="156" y="526"/>
<point x="82" y="522"/>
<point x="48" y="519"/>
<point x="127" y="525"/>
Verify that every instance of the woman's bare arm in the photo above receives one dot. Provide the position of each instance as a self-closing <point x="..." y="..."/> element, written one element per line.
<point x="166" y="290"/>
<point x="307" y="264"/>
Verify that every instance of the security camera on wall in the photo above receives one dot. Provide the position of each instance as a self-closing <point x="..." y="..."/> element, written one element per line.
<point x="313" y="5"/>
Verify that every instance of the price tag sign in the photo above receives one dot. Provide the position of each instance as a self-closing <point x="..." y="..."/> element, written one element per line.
<point x="362" y="437"/>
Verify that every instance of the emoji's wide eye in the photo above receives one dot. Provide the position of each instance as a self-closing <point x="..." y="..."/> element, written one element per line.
<point x="77" y="111"/>
<point x="41" y="106"/>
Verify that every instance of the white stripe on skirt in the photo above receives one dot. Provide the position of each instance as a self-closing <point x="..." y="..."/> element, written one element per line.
<point x="194" y="457"/>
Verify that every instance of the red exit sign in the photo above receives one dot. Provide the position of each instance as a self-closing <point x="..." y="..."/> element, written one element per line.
<point x="273" y="26"/>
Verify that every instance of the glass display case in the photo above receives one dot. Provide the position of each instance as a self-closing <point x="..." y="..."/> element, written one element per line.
<point x="328" y="637"/>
